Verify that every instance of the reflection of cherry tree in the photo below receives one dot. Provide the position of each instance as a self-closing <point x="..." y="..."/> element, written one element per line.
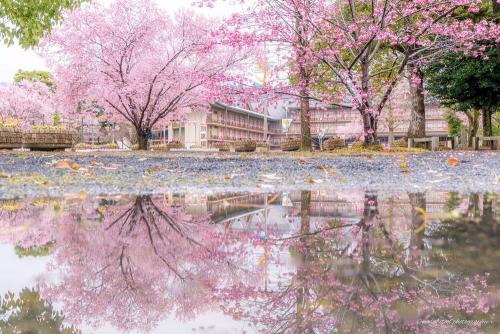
<point x="365" y="277"/>
<point x="141" y="263"/>
<point x="28" y="224"/>
<point x="372" y="264"/>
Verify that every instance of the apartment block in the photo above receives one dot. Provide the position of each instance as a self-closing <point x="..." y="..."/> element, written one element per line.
<point x="222" y="123"/>
<point x="395" y="118"/>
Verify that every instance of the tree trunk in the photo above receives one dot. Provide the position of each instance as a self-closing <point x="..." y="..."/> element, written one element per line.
<point x="142" y="139"/>
<point x="487" y="129"/>
<point x="305" y="123"/>
<point x="473" y="118"/>
<point x="391" y="135"/>
<point x="417" y="116"/>
<point x="304" y="76"/>
<point x="369" y="120"/>
<point x="370" y="128"/>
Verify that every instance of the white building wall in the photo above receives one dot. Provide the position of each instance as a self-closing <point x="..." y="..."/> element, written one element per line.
<point x="194" y="123"/>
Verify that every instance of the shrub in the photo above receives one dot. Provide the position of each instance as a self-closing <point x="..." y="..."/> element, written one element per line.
<point x="245" y="145"/>
<point x="290" y="144"/>
<point x="334" y="143"/>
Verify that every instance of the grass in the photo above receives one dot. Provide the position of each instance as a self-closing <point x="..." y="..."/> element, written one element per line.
<point x="30" y="180"/>
<point x="356" y="151"/>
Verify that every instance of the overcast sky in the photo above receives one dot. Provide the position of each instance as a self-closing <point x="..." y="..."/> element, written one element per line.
<point x="13" y="58"/>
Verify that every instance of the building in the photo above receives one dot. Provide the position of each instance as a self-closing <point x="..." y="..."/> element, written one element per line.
<point x="347" y="123"/>
<point x="231" y="124"/>
<point x="221" y="123"/>
<point x="332" y="121"/>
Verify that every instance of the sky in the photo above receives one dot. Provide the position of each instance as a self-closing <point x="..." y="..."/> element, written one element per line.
<point x="14" y="57"/>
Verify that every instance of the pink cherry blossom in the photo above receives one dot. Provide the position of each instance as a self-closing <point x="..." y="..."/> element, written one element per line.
<point x="28" y="102"/>
<point x="139" y="63"/>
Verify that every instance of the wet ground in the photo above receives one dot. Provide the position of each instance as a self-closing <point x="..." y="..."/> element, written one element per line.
<point x="298" y="261"/>
<point x="37" y="174"/>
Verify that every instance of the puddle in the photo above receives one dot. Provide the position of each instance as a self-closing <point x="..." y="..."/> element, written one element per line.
<point x="296" y="262"/>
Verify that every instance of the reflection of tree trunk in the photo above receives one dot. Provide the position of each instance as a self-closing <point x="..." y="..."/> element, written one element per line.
<point x="370" y="212"/>
<point x="418" y="209"/>
<point x="146" y="213"/>
<point x="417" y="118"/>
<point x="305" y="212"/>
<point x="487" y="216"/>
<point x="302" y="291"/>
<point x="473" y="211"/>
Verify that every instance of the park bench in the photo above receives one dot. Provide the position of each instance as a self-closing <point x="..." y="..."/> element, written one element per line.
<point x="432" y="141"/>
<point x="478" y="140"/>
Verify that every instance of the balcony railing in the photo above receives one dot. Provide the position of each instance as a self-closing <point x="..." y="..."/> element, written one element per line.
<point x="237" y="124"/>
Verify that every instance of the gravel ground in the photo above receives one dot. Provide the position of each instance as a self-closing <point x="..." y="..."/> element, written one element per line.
<point x="34" y="174"/>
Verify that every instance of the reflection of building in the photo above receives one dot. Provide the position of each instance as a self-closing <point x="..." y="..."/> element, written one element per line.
<point x="351" y="204"/>
<point x="244" y="211"/>
<point x="222" y="123"/>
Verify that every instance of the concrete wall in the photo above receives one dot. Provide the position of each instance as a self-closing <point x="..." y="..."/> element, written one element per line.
<point x="193" y="125"/>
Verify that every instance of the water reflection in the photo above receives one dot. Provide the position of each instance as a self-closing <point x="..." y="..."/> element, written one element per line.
<point x="29" y="313"/>
<point x="299" y="262"/>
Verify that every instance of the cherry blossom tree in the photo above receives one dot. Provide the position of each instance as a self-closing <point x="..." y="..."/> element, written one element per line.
<point x="349" y="44"/>
<point x="356" y="32"/>
<point x="138" y="63"/>
<point x="282" y="26"/>
<point x="28" y="102"/>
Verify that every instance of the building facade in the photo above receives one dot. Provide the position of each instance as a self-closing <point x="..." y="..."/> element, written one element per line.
<point x="230" y="124"/>
<point x="222" y="123"/>
<point x="347" y="123"/>
<point x="394" y="120"/>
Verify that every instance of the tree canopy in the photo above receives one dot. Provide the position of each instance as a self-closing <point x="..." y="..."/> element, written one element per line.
<point x="26" y="21"/>
<point x="142" y="66"/>
<point x="351" y="39"/>
<point x="466" y="82"/>
<point x="36" y="76"/>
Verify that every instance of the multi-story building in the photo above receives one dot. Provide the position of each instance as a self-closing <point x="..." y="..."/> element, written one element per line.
<point x="347" y="123"/>
<point x="231" y="124"/>
<point x="222" y="123"/>
<point x="395" y="118"/>
<point x="332" y="121"/>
